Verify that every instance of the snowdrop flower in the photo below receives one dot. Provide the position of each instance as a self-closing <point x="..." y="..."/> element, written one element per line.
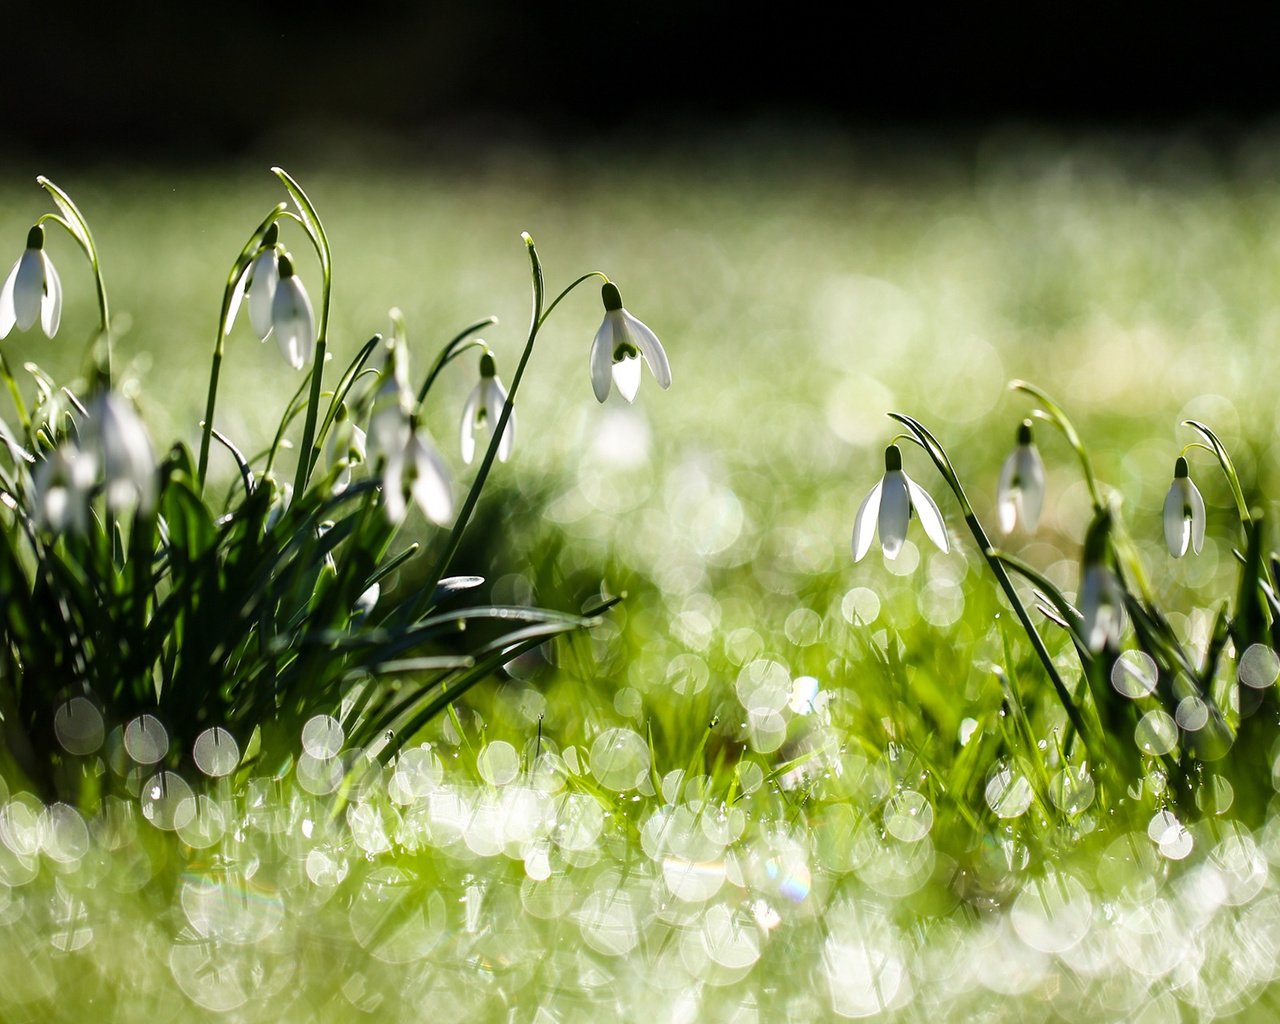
<point x="1101" y="597"/>
<point x="417" y="471"/>
<point x="616" y="351"/>
<point x="32" y="289"/>
<point x="119" y="441"/>
<point x="889" y="507"/>
<point x="63" y="484"/>
<point x="1183" y="513"/>
<point x="1020" y="494"/>
<point x="484" y="406"/>
<point x="392" y="405"/>
<point x="259" y="281"/>
<point x="347" y="447"/>
<point x="291" y="317"/>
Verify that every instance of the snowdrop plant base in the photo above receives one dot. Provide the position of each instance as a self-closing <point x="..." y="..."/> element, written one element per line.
<point x="136" y="601"/>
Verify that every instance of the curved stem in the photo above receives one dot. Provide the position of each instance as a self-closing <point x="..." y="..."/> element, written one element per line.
<point x="309" y="452"/>
<point x="1228" y="467"/>
<point x="15" y="393"/>
<point x="943" y="462"/>
<point x="76" y="225"/>
<point x="585" y="277"/>
<point x="451" y="351"/>
<point x="238" y="267"/>
<point x="1054" y="413"/>
<point x="491" y="452"/>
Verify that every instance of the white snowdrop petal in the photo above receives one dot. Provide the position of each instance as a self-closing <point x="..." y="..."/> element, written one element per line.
<point x="467" y="433"/>
<point x="237" y="297"/>
<point x="431" y="481"/>
<point x="262" y="284"/>
<point x="930" y="515"/>
<point x="8" y="317"/>
<point x="895" y="512"/>
<point x="496" y="401"/>
<point x="1006" y="496"/>
<point x="651" y="348"/>
<point x="602" y="359"/>
<point x="28" y="288"/>
<point x="51" y="304"/>
<point x="864" y="525"/>
<point x="1197" y="517"/>
<point x="1031" y="474"/>
<point x="626" y="375"/>
<point x="292" y="321"/>
<point x="1176" y="533"/>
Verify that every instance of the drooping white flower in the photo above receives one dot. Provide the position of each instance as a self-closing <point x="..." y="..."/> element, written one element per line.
<point x="122" y="449"/>
<point x="889" y="507"/>
<point x="392" y="405"/>
<point x="484" y="407"/>
<point x="619" y="345"/>
<point x="63" y="485"/>
<point x="259" y="281"/>
<point x="347" y="447"/>
<point x="291" y="317"/>
<point x="1101" y="597"/>
<point x="417" y="471"/>
<point x="1020" y="494"/>
<point x="1101" y="608"/>
<point x="1184" y="515"/>
<point x="32" y="290"/>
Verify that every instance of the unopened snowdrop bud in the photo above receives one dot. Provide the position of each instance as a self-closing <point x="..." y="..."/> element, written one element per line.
<point x="119" y="441"/>
<point x="484" y="406"/>
<point x="1101" y="598"/>
<point x="367" y="601"/>
<point x="32" y="290"/>
<point x="889" y="506"/>
<point x="619" y="345"/>
<point x="1020" y="494"/>
<point x="1184" y="515"/>
<point x="63" y="485"/>
<point x="281" y="498"/>
<point x="291" y="317"/>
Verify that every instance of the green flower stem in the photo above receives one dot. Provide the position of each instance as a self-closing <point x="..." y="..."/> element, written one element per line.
<point x="233" y="278"/>
<point x="1054" y="413"/>
<point x="537" y="319"/>
<point x="310" y="450"/>
<point x="940" y="459"/>
<point x="1228" y="467"/>
<point x="76" y="226"/>
<point x="451" y="351"/>
<point x="16" y="394"/>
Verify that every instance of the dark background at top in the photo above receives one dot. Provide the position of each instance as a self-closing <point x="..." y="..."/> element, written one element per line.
<point x="192" y="81"/>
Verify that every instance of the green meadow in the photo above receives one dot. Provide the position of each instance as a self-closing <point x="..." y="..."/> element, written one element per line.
<point x="770" y="783"/>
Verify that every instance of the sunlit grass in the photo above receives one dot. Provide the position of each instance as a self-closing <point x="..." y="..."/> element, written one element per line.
<point x="774" y="784"/>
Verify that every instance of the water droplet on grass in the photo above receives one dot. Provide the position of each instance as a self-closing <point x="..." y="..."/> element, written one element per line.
<point x="1134" y="674"/>
<point x="1156" y="733"/>
<point x="498" y="763"/>
<point x="146" y="740"/>
<point x="216" y="752"/>
<point x="908" y="816"/>
<point x="78" y="725"/>
<point x="619" y="759"/>
<point x="1008" y="793"/>
<point x="167" y="801"/>
<point x="1259" y="667"/>
<point x="322" y="737"/>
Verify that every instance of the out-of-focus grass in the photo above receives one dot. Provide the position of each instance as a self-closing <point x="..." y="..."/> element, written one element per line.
<point x="800" y="298"/>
